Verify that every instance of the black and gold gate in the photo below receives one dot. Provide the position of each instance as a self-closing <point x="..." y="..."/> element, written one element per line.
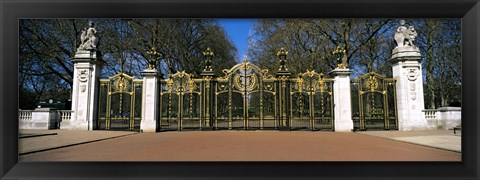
<point x="245" y="98"/>
<point x="374" y="102"/>
<point x="311" y="102"/>
<point x="119" y="105"/>
<point x="181" y="102"/>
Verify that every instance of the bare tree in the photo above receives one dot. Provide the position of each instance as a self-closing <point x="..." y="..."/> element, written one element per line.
<point x="311" y="41"/>
<point x="368" y="43"/>
<point x="48" y="45"/>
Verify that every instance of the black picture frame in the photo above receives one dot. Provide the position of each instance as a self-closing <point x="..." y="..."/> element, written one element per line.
<point x="11" y="11"/>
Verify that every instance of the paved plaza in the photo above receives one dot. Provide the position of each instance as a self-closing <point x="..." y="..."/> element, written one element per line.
<point x="240" y="146"/>
<point x="42" y="140"/>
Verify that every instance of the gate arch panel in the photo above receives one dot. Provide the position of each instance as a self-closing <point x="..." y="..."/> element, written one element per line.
<point x="374" y="102"/>
<point x="243" y="89"/>
<point x="268" y="104"/>
<point x="181" y="102"/>
<point x="120" y="99"/>
<point x="311" y="102"/>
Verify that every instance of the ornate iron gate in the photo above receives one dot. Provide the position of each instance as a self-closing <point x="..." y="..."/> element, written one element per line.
<point x="181" y="102"/>
<point x="374" y="102"/>
<point x="245" y="98"/>
<point x="119" y="104"/>
<point x="311" y="102"/>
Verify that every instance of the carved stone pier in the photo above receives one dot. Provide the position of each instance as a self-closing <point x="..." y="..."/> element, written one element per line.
<point x="87" y="69"/>
<point x="407" y="69"/>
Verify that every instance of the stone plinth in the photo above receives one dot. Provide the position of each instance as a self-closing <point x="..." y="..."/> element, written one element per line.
<point x="407" y="69"/>
<point x="342" y="100"/>
<point x="405" y="52"/>
<point x="149" y="101"/>
<point x="87" y="55"/>
<point x="86" y="71"/>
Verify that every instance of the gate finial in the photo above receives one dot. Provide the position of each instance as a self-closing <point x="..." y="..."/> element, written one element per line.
<point x="208" y="56"/>
<point x="282" y="56"/>
<point x="153" y="60"/>
<point x="341" y="55"/>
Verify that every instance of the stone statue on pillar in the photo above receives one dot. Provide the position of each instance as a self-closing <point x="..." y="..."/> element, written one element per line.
<point x="87" y="67"/>
<point x="89" y="40"/>
<point x="404" y="38"/>
<point x="406" y="69"/>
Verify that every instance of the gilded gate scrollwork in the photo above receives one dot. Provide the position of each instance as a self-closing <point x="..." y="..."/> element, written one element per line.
<point x="120" y="99"/>
<point x="311" y="102"/>
<point x="374" y="102"/>
<point x="180" y="102"/>
<point x="247" y="97"/>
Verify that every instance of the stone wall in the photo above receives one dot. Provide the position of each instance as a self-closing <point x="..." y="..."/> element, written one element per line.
<point x="40" y="118"/>
<point x="444" y="117"/>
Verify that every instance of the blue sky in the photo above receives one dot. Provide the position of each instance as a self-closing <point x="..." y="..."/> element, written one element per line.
<point x="238" y="30"/>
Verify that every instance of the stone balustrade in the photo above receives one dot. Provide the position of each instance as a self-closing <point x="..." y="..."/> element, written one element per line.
<point x="430" y="113"/>
<point x="42" y="118"/>
<point x="25" y="115"/>
<point x="65" y="115"/>
<point x="443" y="118"/>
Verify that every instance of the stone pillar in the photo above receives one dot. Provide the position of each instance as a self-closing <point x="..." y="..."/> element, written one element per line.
<point x="150" y="100"/>
<point x="407" y="69"/>
<point x="87" y="69"/>
<point x="342" y="100"/>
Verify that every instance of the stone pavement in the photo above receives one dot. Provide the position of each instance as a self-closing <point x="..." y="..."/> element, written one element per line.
<point x="239" y="146"/>
<point x="442" y="139"/>
<point x="42" y="140"/>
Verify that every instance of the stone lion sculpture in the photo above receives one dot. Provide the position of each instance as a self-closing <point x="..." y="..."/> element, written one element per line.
<point x="405" y="36"/>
